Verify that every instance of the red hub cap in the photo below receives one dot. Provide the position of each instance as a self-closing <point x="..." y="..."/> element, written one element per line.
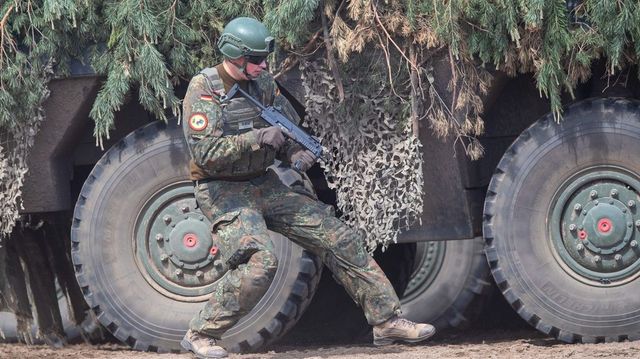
<point x="605" y="225"/>
<point x="190" y="240"/>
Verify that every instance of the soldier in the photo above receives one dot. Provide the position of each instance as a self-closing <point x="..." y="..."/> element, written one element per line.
<point x="231" y="148"/>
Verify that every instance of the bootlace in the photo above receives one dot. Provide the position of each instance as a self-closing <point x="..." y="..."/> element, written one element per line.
<point x="401" y="322"/>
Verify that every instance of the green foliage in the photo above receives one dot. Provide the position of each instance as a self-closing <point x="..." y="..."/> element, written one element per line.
<point x="150" y="46"/>
<point x="556" y="42"/>
<point x="290" y="20"/>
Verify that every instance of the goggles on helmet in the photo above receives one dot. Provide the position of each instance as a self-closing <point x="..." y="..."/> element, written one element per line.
<point x="256" y="60"/>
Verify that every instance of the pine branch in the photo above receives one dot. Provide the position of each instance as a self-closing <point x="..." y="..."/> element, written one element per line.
<point x="3" y="31"/>
<point x="292" y="60"/>
<point x="332" y="61"/>
<point x="415" y="91"/>
<point x="375" y="12"/>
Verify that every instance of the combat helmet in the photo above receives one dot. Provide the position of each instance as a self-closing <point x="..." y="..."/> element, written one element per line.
<point x="245" y="36"/>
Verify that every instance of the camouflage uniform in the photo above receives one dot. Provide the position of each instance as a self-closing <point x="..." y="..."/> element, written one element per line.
<point x="243" y="200"/>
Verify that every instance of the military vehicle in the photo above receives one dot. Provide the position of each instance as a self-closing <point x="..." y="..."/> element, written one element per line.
<point x="551" y="211"/>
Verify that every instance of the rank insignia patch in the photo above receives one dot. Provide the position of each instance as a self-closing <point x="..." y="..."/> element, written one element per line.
<point x="198" y="121"/>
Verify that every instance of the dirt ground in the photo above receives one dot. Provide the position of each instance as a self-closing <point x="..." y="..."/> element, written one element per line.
<point x="494" y="344"/>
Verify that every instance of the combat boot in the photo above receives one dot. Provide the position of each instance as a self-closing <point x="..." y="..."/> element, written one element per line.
<point x="202" y="346"/>
<point x="400" y="329"/>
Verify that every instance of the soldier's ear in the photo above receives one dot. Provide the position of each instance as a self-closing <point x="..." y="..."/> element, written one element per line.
<point x="240" y="61"/>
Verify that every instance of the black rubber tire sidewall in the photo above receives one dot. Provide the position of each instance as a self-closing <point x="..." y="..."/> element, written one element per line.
<point x="462" y="279"/>
<point x="102" y="251"/>
<point x="592" y="133"/>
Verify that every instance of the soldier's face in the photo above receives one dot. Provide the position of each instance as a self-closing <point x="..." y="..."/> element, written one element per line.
<point x="254" y="70"/>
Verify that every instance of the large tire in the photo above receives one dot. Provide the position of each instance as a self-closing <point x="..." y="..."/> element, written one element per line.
<point x="448" y="281"/>
<point x="559" y="210"/>
<point x="145" y="286"/>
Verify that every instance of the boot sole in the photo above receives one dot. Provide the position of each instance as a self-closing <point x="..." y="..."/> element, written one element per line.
<point x="187" y="346"/>
<point x="388" y="341"/>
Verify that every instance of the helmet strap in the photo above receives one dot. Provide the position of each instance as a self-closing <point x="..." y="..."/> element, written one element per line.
<point x="243" y="68"/>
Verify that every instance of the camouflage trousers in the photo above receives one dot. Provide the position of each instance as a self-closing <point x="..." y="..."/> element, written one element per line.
<point x="241" y="213"/>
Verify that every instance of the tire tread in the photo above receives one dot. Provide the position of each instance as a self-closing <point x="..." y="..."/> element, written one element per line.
<point x="540" y="129"/>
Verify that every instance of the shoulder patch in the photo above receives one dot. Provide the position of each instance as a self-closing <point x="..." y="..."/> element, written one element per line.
<point x="198" y="121"/>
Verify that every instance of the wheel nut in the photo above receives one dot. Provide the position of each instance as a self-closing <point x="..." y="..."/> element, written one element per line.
<point x="579" y="247"/>
<point x="633" y="244"/>
<point x="577" y="207"/>
<point x="164" y="257"/>
<point x="596" y="202"/>
<point x="631" y="203"/>
<point x="596" y="259"/>
<point x="199" y="274"/>
<point x="178" y="272"/>
<point x="167" y="219"/>
<point x="638" y="223"/>
<point x="618" y="257"/>
<point x="159" y="237"/>
<point x="185" y="209"/>
<point x="614" y="193"/>
<point x="572" y="227"/>
<point x="593" y="194"/>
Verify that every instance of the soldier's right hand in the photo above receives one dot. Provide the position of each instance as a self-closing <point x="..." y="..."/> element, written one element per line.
<point x="271" y="136"/>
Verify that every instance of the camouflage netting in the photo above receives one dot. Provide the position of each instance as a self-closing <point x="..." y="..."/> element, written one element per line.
<point x="15" y="143"/>
<point x="374" y="160"/>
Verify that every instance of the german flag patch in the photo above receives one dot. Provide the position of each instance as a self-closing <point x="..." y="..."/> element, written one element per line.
<point x="206" y="98"/>
<point x="198" y="121"/>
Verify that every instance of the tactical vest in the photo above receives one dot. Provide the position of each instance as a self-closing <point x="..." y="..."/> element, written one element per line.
<point x="239" y="116"/>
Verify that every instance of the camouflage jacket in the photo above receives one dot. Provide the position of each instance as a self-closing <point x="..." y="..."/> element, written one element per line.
<point x="220" y="134"/>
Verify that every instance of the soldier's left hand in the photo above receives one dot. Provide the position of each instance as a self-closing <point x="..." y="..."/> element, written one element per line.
<point x="302" y="160"/>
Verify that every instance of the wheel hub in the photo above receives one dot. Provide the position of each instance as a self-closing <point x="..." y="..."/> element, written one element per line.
<point x="607" y="226"/>
<point x="593" y="225"/>
<point x="174" y="247"/>
<point x="189" y="243"/>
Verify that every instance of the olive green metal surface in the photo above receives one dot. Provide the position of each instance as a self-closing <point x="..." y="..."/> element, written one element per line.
<point x="594" y="223"/>
<point x="174" y="247"/>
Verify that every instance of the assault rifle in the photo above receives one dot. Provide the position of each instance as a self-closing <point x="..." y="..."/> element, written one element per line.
<point x="275" y="118"/>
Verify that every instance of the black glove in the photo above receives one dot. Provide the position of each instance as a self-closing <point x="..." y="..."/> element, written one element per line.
<point x="271" y="136"/>
<point x="302" y="160"/>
